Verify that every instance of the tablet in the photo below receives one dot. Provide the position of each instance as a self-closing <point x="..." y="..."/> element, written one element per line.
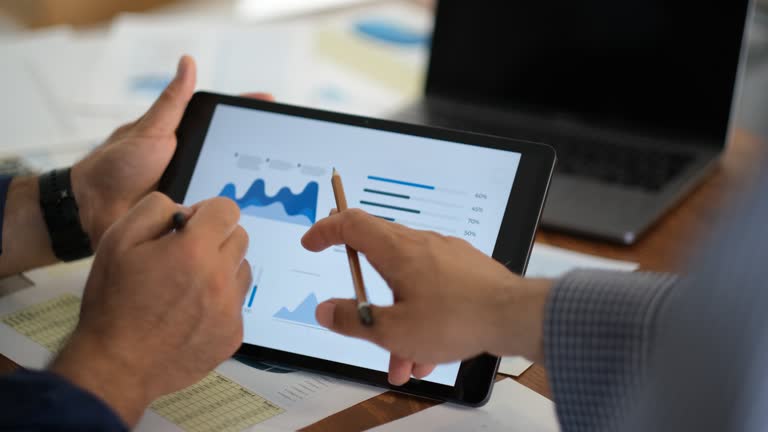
<point x="275" y="161"/>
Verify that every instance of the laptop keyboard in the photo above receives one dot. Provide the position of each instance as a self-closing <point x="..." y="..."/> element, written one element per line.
<point x="648" y="169"/>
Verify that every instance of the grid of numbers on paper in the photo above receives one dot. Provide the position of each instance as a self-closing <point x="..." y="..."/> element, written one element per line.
<point x="216" y="403"/>
<point x="49" y="323"/>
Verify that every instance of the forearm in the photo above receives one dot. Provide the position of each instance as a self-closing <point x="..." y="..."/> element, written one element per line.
<point x="26" y="244"/>
<point x="599" y="329"/>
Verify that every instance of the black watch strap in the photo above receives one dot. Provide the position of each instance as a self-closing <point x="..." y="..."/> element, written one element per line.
<point x="62" y="216"/>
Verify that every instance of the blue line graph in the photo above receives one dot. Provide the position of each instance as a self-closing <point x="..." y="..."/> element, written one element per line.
<point x="303" y="314"/>
<point x="285" y="206"/>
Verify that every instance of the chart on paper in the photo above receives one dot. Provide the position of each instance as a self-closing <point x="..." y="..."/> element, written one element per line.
<point x="49" y="323"/>
<point x="216" y="403"/>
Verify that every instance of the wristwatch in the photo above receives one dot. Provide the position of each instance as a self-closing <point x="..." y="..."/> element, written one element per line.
<point x="62" y="216"/>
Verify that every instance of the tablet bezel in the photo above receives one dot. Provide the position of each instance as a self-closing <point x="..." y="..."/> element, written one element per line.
<point x="523" y="211"/>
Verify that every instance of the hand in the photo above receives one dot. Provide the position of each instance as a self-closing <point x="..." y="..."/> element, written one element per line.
<point x="452" y="302"/>
<point x="161" y="309"/>
<point x="128" y="166"/>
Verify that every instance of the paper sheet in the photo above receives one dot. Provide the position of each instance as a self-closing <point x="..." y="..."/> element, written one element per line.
<point x="43" y="72"/>
<point x="49" y="323"/>
<point x="552" y="262"/>
<point x="303" y="398"/>
<point x="216" y="403"/>
<point x="378" y="56"/>
<point x="142" y="55"/>
<point x="513" y="407"/>
<point x="30" y="116"/>
<point x="288" y="59"/>
<point x="270" y="9"/>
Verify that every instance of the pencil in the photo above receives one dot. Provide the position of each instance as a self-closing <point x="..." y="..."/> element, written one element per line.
<point x="363" y="307"/>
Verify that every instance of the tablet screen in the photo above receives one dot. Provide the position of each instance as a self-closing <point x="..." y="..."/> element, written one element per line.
<point x="278" y="168"/>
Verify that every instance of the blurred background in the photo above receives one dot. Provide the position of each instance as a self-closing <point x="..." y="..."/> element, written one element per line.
<point x="72" y="70"/>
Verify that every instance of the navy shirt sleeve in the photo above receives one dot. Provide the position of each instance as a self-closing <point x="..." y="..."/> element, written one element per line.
<point x="43" y="401"/>
<point x="5" y="183"/>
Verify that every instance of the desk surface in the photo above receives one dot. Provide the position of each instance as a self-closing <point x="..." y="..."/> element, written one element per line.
<point x="665" y="248"/>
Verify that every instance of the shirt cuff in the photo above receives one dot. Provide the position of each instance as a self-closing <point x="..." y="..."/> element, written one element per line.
<point x="599" y="328"/>
<point x="44" y="401"/>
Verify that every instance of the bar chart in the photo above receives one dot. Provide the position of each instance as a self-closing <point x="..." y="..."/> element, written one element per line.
<point x="425" y="206"/>
<point x="257" y="273"/>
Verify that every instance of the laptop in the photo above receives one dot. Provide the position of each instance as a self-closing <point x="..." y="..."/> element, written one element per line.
<point x="637" y="96"/>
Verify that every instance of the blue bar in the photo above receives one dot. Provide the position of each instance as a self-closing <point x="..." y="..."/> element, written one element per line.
<point x="394" y="195"/>
<point x="253" y="294"/>
<point x="391" y="207"/>
<point x="400" y="182"/>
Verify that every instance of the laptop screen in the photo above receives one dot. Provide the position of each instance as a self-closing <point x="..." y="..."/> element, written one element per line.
<point x="656" y="66"/>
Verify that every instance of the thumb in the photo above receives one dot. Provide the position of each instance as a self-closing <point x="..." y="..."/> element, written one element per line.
<point x="341" y="316"/>
<point x="165" y="114"/>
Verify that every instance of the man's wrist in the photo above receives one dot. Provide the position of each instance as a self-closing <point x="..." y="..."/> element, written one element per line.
<point x="91" y="367"/>
<point x="517" y="321"/>
<point x="24" y="231"/>
<point x="84" y="200"/>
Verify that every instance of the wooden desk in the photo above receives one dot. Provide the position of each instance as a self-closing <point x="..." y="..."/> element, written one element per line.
<point x="665" y="248"/>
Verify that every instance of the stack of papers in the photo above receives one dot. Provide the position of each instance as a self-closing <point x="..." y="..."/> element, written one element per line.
<point x="69" y="90"/>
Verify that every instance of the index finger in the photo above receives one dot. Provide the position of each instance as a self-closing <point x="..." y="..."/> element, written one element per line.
<point x="368" y="234"/>
<point x="147" y="220"/>
<point x="216" y="217"/>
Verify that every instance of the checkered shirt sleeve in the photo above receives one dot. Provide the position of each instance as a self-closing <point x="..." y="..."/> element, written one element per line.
<point x="599" y="328"/>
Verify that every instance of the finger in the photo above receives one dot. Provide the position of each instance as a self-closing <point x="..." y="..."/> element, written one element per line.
<point x="151" y="218"/>
<point x="341" y="316"/>
<point x="399" y="370"/>
<point x="236" y="246"/>
<point x="368" y="234"/>
<point x="216" y="218"/>
<point x="164" y="116"/>
<point x="244" y="278"/>
<point x="261" y="96"/>
<point x="422" y="370"/>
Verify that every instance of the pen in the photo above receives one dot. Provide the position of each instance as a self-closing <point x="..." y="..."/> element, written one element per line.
<point x="363" y="307"/>
<point x="179" y="220"/>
